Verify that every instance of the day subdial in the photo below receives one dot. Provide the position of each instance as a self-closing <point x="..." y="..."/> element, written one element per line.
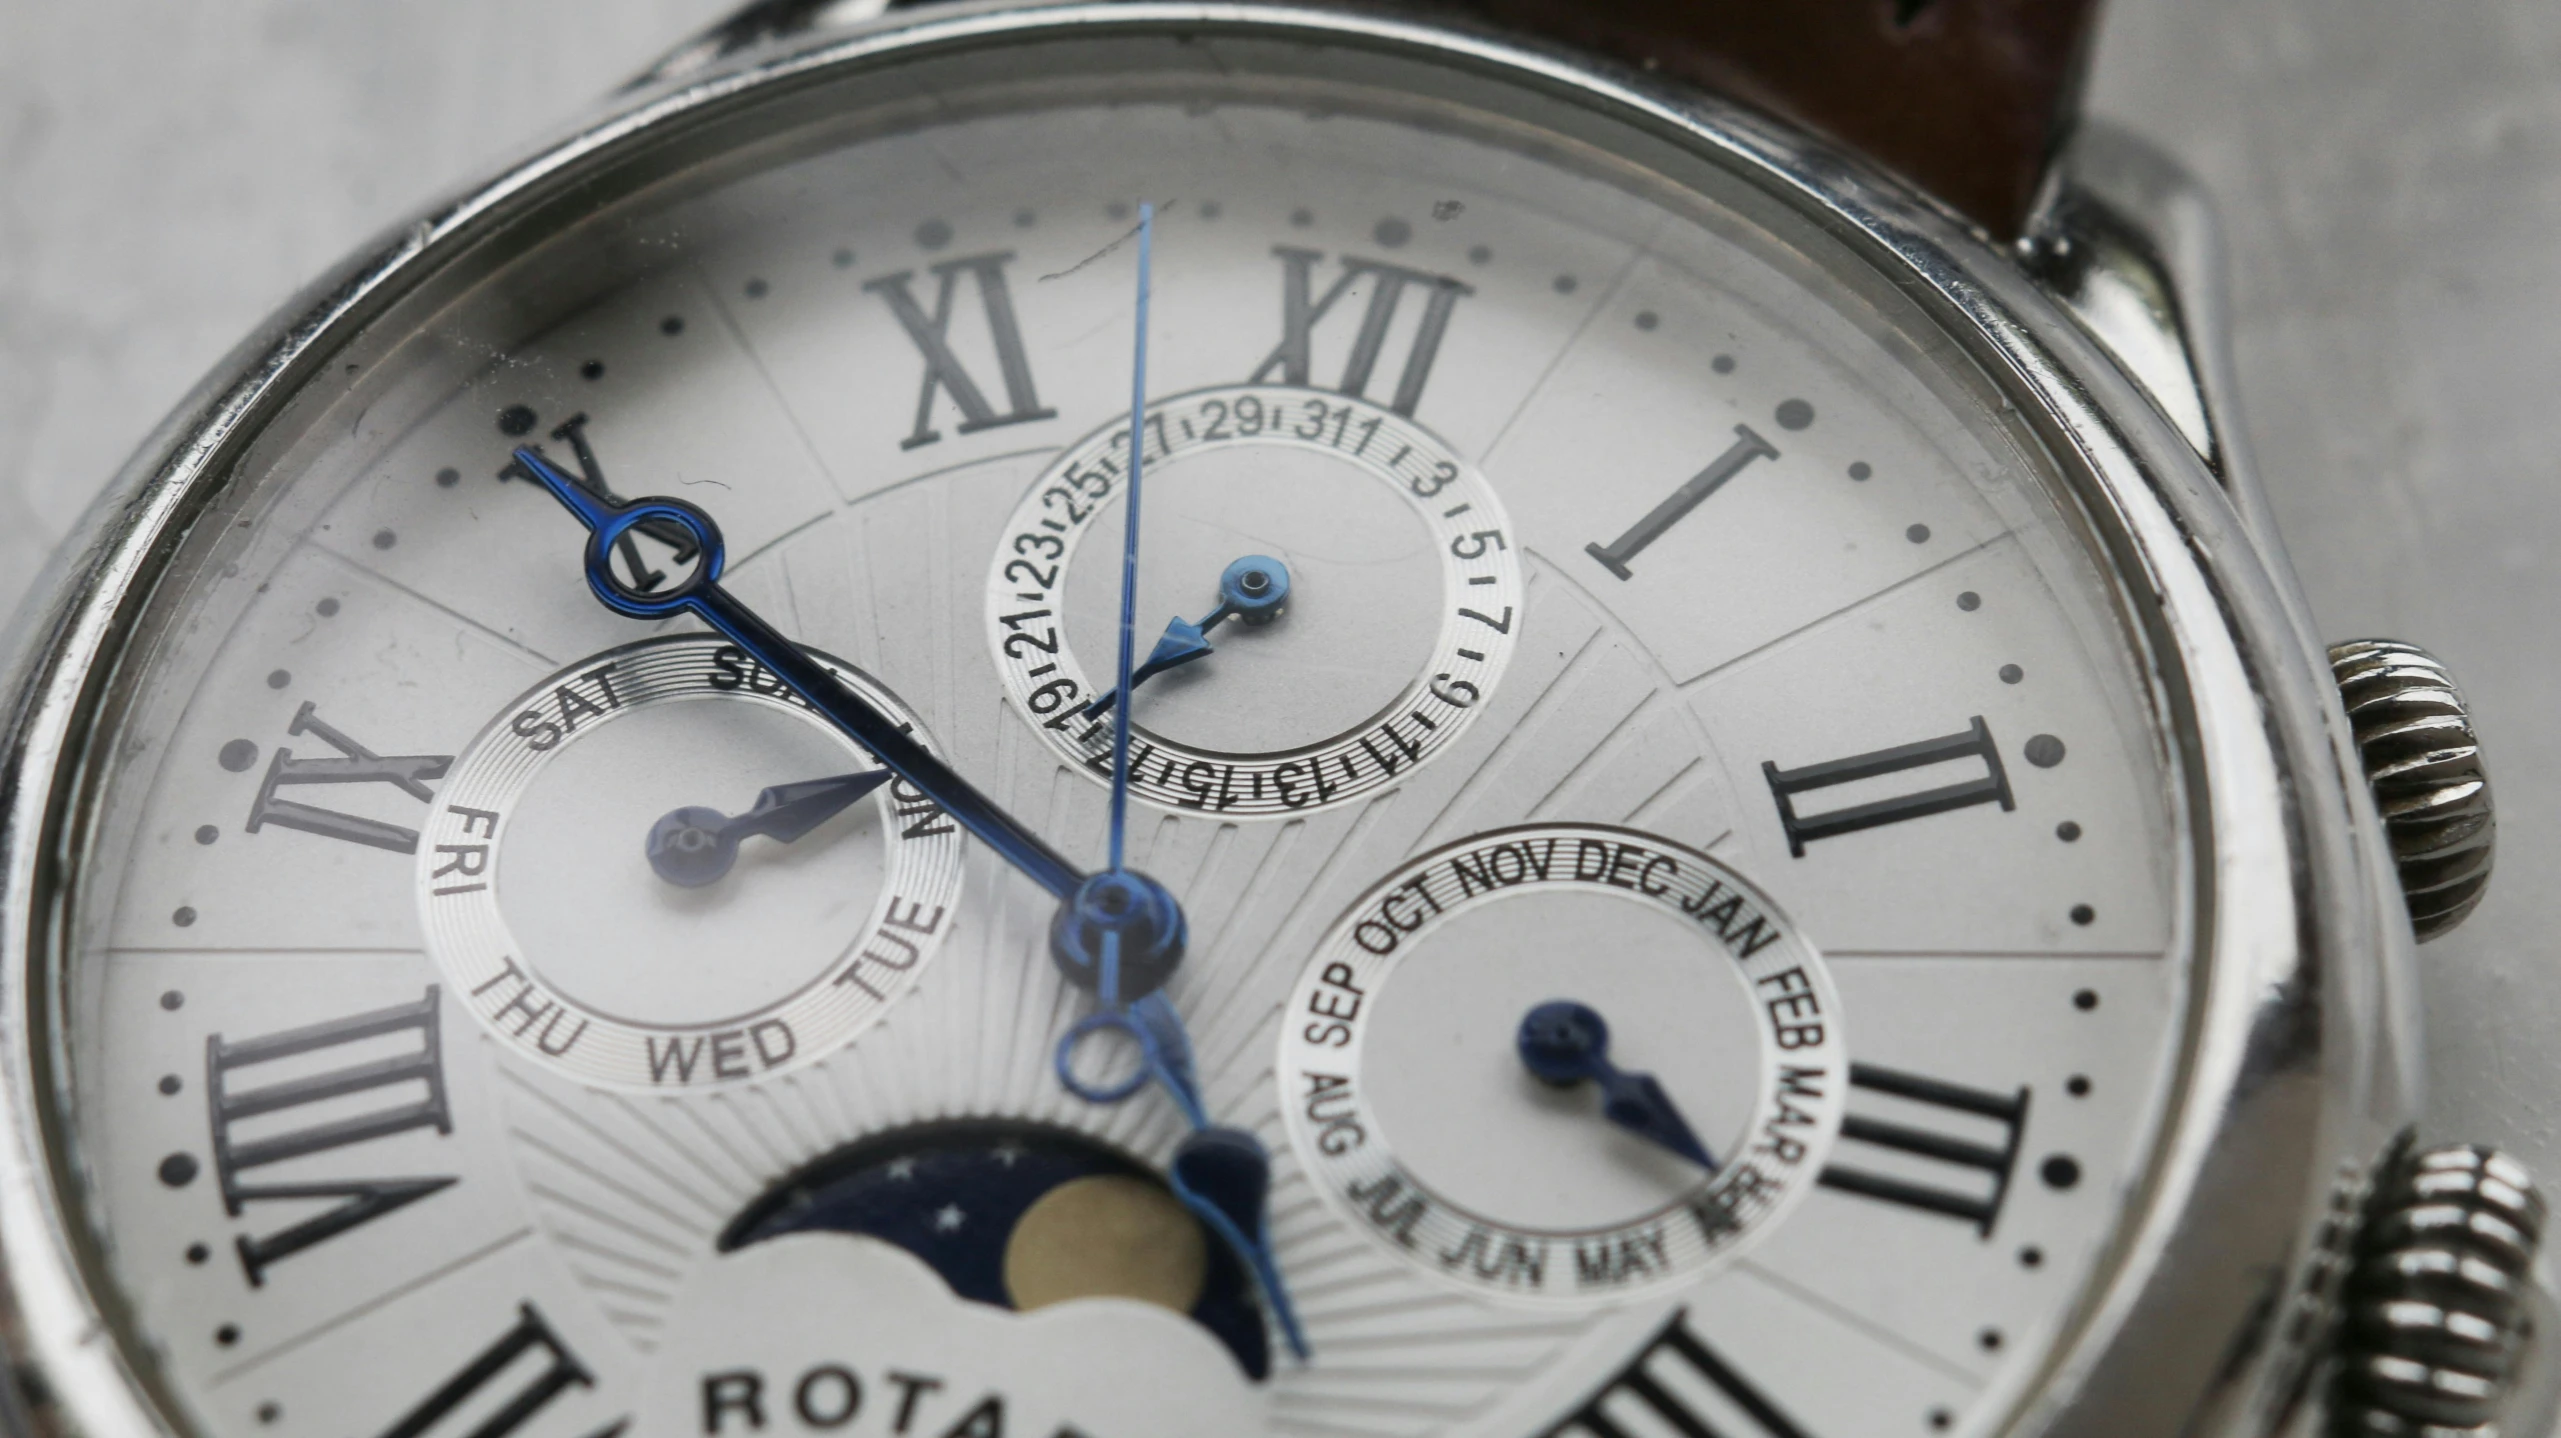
<point x="1330" y="594"/>
<point x="658" y="869"/>
<point x="1563" y="1064"/>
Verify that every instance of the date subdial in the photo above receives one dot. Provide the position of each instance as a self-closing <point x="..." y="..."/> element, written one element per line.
<point x="583" y="889"/>
<point x="1434" y="1059"/>
<point x="1404" y="598"/>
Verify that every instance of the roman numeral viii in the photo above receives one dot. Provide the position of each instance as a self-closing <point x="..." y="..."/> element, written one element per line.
<point x="944" y="371"/>
<point x="1992" y="786"/>
<point x="1302" y="309"/>
<point x="356" y="764"/>
<point x="1677" y="1384"/>
<point x="384" y="1074"/>
<point x="1949" y="1148"/>
<point x="528" y="1364"/>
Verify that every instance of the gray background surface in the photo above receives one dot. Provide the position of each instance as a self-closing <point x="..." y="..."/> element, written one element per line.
<point x="2389" y="176"/>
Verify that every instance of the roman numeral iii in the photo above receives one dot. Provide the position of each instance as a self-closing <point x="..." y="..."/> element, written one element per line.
<point x="1292" y="361"/>
<point x="1953" y="1146"/>
<point x="262" y="1116"/>
<point x="355" y="764"/>
<point x="1992" y="786"/>
<point x="944" y="371"/>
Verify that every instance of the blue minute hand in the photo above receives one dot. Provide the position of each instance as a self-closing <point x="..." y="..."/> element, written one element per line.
<point x="1122" y="934"/>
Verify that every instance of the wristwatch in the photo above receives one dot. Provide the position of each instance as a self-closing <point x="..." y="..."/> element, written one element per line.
<point x="1132" y="720"/>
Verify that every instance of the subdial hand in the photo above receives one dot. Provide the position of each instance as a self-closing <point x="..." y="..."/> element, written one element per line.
<point x="1563" y="1043"/>
<point x="1253" y="590"/>
<point x="694" y="847"/>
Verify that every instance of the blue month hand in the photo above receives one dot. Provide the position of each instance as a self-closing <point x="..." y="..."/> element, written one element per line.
<point x="1253" y="590"/>
<point x="1563" y="1043"/>
<point x="694" y="847"/>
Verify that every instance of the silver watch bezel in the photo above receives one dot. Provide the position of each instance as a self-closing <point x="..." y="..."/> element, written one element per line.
<point x="2300" y="1068"/>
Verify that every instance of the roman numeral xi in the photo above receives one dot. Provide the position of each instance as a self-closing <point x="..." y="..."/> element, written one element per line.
<point x="945" y="371"/>
<point x="276" y="1098"/>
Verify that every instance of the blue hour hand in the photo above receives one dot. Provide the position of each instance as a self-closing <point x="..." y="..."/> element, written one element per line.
<point x="1564" y="1043"/>
<point x="1253" y="590"/>
<point x="699" y="593"/>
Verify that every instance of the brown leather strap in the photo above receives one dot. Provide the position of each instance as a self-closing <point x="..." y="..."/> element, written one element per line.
<point x="1967" y="98"/>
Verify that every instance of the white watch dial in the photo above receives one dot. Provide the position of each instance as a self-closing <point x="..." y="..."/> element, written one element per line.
<point x="1624" y="522"/>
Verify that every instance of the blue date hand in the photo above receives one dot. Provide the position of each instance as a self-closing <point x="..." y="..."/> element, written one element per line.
<point x="1564" y="1043"/>
<point x="694" y="846"/>
<point x="1254" y="590"/>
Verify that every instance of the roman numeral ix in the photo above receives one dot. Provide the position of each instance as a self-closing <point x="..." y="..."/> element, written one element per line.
<point x="356" y="764"/>
<point x="399" y="1047"/>
<point x="1302" y="309"/>
<point x="944" y="371"/>
<point x="1967" y="1147"/>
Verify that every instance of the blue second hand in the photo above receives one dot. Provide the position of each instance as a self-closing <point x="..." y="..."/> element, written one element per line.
<point x="1129" y="544"/>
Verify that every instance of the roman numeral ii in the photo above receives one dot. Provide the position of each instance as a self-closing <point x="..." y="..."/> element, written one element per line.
<point x="1992" y="786"/>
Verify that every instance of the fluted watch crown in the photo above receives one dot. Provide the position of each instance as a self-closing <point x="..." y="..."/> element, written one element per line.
<point x="2414" y="732"/>
<point x="2436" y="1298"/>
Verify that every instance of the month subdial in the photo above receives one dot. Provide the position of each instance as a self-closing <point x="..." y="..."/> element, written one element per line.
<point x="658" y="869"/>
<point x="1338" y="594"/>
<point x="1452" y="1090"/>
